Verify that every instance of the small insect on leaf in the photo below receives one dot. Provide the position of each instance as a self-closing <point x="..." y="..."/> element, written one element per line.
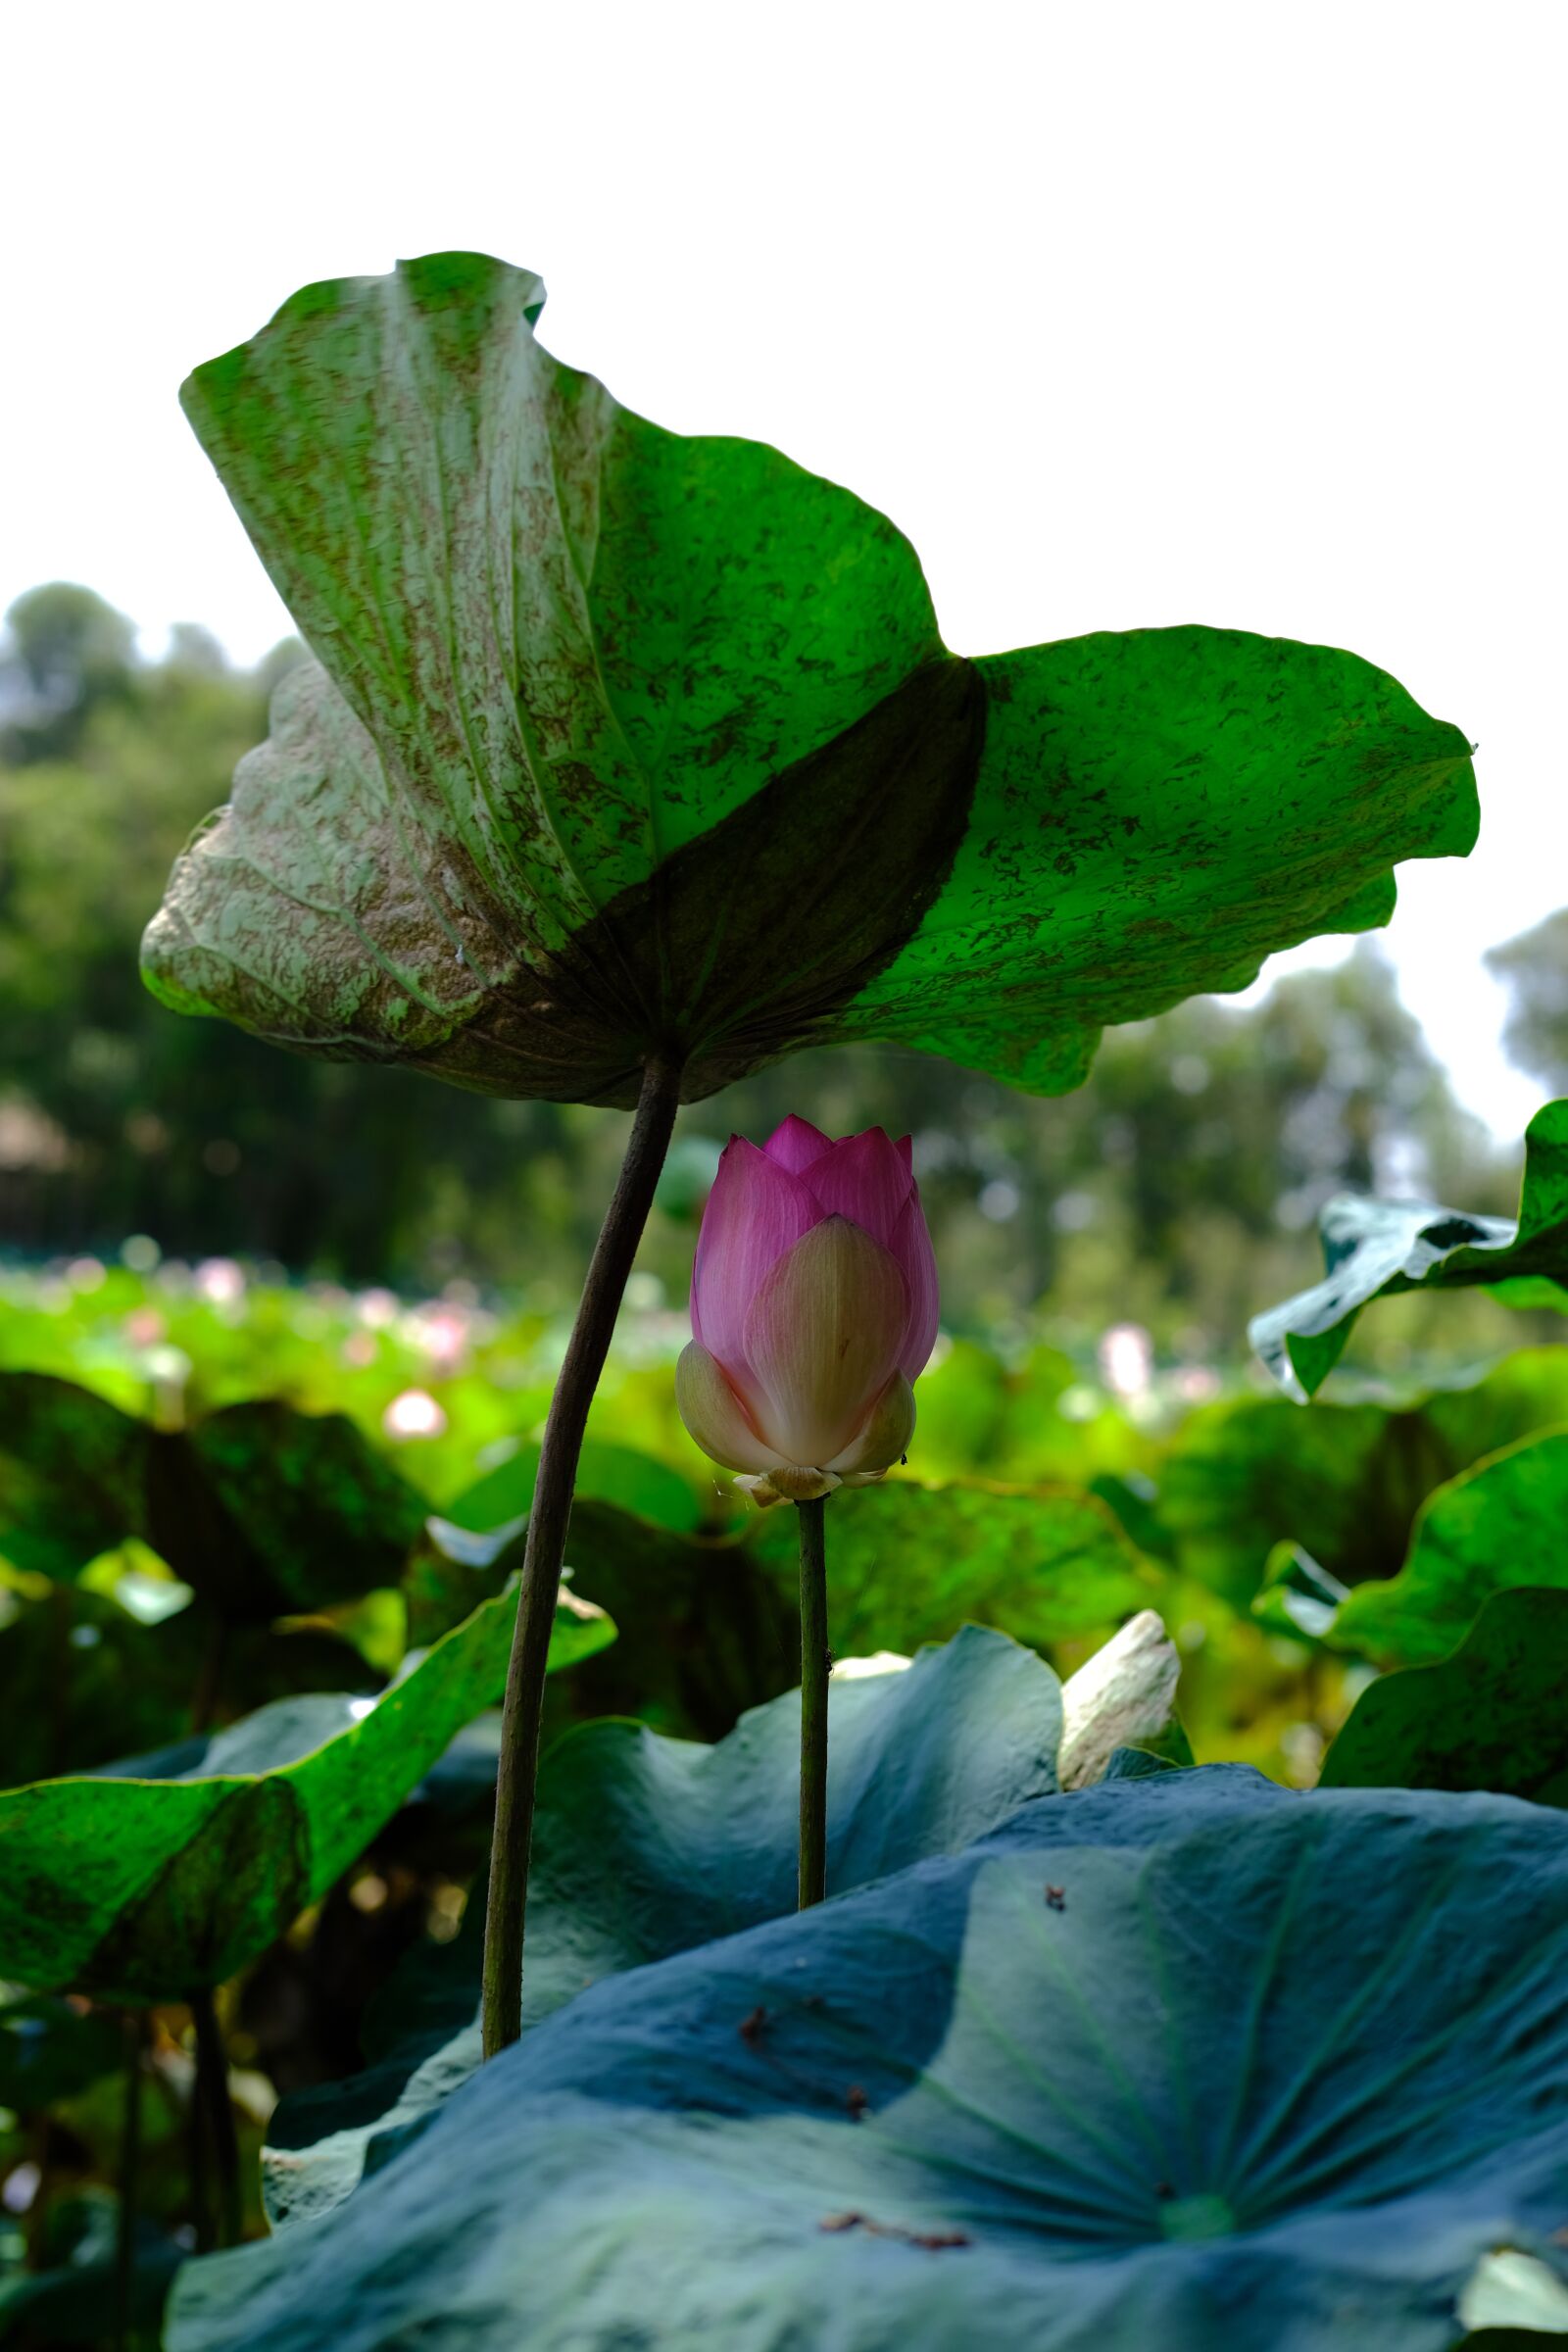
<point x="1055" y="1898"/>
<point x="753" y="2026"/>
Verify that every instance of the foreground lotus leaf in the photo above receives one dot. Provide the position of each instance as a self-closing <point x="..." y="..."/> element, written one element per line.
<point x="645" y="1846"/>
<point x="1376" y="1248"/>
<point x="592" y="703"/>
<point x="172" y="1872"/>
<point x="1281" y="2070"/>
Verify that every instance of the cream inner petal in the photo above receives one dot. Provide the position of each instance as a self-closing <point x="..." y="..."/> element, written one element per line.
<point x="886" y="1433"/>
<point x="822" y="1340"/>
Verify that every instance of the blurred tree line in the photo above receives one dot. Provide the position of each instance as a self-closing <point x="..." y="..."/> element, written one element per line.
<point x="1178" y="1187"/>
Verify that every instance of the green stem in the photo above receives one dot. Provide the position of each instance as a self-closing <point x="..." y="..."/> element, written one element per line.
<point x="216" y="2137"/>
<point x="518" y="1765"/>
<point x="816" y="1661"/>
<point x="130" y="2175"/>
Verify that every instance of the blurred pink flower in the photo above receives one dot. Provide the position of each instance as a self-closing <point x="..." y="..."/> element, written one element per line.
<point x="814" y="1308"/>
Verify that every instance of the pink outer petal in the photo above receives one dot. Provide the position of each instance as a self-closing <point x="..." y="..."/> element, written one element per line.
<point x="912" y="1246"/>
<point x="865" y="1179"/>
<point x="822" y="1340"/>
<point x="715" y="1416"/>
<point x="756" y="1210"/>
<point x="796" y="1144"/>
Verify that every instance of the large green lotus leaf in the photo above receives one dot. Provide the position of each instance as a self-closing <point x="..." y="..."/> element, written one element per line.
<point x="1155" y="812"/>
<point x="145" y="1888"/>
<point x="1159" y="2065"/>
<point x="909" y="1563"/>
<point x="644" y="1846"/>
<point x="592" y="702"/>
<point x="1376" y="1248"/>
<point x="261" y="1508"/>
<point x="1499" y="1526"/>
<point x="1492" y="1716"/>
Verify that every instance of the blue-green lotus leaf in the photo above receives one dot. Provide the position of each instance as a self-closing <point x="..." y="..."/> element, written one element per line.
<point x="645" y="1845"/>
<point x="1281" y="2076"/>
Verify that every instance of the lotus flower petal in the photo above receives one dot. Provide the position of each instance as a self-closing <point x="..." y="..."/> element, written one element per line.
<point x="822" y="1339"/>
<point x="796" y="1144"/>
<point x="912" y="1246"/>
<point x="714" y="1414"/>
<point x="886" y="1435"/>
<point x="755" y="1212"/>
<point x="863" y="1178"/>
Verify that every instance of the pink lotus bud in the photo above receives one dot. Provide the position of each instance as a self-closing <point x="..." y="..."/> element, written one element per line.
<point x="814" y="1308"/>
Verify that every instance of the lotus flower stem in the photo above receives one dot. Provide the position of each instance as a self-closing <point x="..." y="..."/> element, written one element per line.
<point x="816" y="1661"/>
<point x="518" y="1765"/>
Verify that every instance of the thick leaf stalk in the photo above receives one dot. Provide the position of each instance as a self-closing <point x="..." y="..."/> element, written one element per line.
<point x="816" y="1661"/>
<point x="519" y="1767"/>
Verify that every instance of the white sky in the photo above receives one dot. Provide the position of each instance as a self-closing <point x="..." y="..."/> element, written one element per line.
<point x="1127" y="313"/>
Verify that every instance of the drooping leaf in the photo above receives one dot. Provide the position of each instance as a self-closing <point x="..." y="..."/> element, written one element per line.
<point x="1376" y="1248"/>
<point x="593" y="701"/>
<point x="146" y="1887"/>
<point x="260" y="1509"/>
<point x="644" y="1846"/>
<point x="1492" y="1716"/>
<point x="1499" y="1526"/>
<point x="1219" y="2069"/>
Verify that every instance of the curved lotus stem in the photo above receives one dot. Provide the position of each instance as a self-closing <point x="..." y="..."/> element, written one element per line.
<point x="518" y="1769"/>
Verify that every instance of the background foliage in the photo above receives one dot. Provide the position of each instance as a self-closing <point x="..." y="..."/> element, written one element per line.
<point x="191" y="1221"/>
